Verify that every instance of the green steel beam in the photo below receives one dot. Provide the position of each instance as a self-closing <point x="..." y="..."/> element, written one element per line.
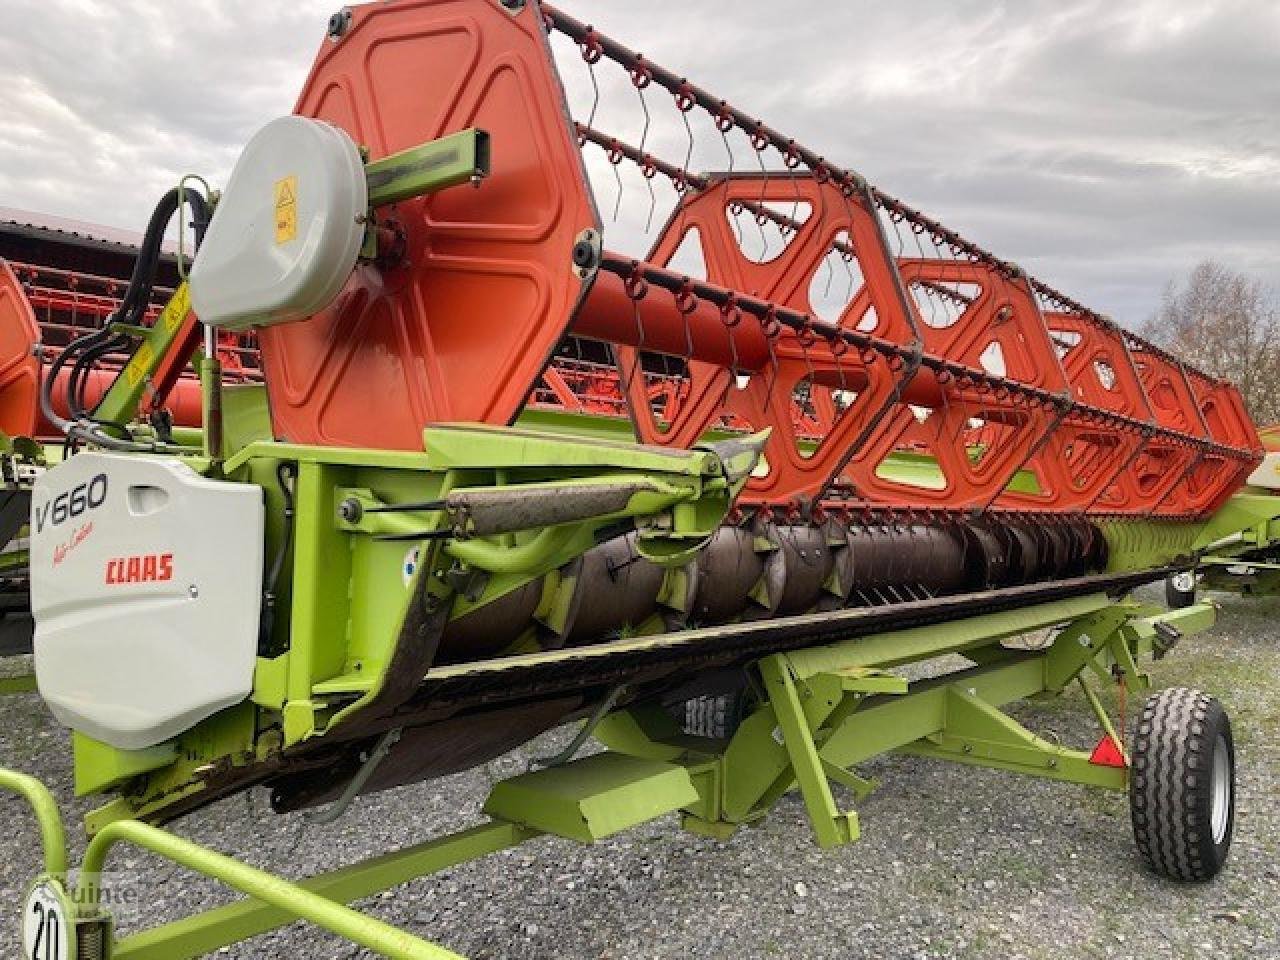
<point x="290" y="901"/>
<point x="831" y="826"/>
<point x="1245" y="522"/>
<point x="1143" y="633"/>
<point x="593" y="797"/>
<point x="12" y="685"/>
<point x="322" y="565"/>
<point x="884" y="724"/>
<point x="831" y="708"/>
<point x="1087" y="643"/>
<point x="920" y="643"/>
<point x="460" y="158"/>
<point x="977" y="733"/>
<point x="206" y="932"/>
<point x="53" y="837"/>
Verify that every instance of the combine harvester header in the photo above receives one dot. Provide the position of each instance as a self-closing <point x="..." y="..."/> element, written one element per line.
<point x="506" y="470"/>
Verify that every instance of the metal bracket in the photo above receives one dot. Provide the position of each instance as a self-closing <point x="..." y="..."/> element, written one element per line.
<point x="429" y="167"/>
<point x="977" y="733"/>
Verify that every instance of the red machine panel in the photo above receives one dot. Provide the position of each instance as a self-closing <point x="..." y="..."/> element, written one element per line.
<point x="19" y="365"/>
<point x="463" y="327"/>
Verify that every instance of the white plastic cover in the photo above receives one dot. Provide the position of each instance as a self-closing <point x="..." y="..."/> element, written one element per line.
<point x="146" y="586"/>
<point x="286" y="234"/>
<point x="1267" y="475"/>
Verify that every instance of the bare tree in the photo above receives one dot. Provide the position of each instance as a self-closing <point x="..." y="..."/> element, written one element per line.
<point x="1227" y="324"/>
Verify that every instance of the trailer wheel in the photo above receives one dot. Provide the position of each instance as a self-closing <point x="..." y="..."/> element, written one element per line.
<point x="1180" y="590"/>
<point x="717" y="716"/>
<point x="1182" y="789"/>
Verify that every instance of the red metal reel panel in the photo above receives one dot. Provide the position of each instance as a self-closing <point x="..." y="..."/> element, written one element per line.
<point x="1223" y="411"/>
<point x="19" y="366"/>
<point x="1215" y="412"/>
<point x="1001" y="331"/>
<point x="1098" y="365"/>
<point x="976" y="463"/>
<point x="1168" y="392"/>
<point x="1216" y="477"/>
<point x="1078" y="466"/>
<point x="979" y="435"/>
<point x="816" y="403"/>
<point x="810" y="446"/>
<point x="1213" y="481"/>
<point x="462" y="329"/>
<point x="1156" y="482"/>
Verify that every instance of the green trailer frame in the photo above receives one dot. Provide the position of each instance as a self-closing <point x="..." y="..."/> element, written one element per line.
<point x="821" y="712"/>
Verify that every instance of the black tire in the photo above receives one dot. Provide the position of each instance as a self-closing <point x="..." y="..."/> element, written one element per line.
<point x="718" y="716"/>
<point x="1176" y="594"/>
<point x="1182" y="788"/>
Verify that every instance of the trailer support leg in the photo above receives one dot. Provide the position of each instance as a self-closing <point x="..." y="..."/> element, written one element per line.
<point x="831" y="826"/>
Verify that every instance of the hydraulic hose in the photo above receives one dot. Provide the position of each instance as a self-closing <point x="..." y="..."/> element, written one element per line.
<point x="84" y="352"/>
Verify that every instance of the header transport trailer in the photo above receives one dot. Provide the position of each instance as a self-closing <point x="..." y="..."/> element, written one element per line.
<point x="500" y="467"/>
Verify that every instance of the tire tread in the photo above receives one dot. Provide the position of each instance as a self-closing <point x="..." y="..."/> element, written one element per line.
<point x="1172" y="764"/>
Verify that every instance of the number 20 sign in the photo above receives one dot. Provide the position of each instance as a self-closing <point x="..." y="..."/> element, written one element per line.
<point x="46" y="925"/>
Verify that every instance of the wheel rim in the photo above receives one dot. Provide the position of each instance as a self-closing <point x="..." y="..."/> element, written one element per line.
<point x="1220" y="809"/>
<point x="1184" y="582"/>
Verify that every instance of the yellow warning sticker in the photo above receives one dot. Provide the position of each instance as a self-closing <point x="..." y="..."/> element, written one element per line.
<point x="177" y="309"/>
<point x="286" y="209"/>
<point x="139" y="367"/>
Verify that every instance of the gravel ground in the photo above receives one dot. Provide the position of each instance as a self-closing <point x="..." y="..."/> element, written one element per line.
<point x="953" y="862"/>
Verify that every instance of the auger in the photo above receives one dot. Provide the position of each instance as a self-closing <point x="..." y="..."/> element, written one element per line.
<point x="484" y="468"/>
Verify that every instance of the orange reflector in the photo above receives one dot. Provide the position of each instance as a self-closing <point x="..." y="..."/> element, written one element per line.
<point x="1107" y="753"/>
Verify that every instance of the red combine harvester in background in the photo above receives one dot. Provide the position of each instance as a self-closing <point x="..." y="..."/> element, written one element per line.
<point x="60" y="280"/>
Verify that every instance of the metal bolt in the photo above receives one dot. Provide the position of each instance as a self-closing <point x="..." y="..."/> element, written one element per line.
<point x="350" y="510"/>
<point x="584" y="255"/>
<point x="339" y="24"/>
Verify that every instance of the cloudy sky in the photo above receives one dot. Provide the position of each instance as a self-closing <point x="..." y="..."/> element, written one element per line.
<point x="1105" y="146"/>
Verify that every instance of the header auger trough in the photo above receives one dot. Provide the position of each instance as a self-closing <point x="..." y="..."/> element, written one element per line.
<point x="508" y="464"/>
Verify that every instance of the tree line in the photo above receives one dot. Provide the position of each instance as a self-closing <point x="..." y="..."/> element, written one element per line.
<point x="1228" y="324"/>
